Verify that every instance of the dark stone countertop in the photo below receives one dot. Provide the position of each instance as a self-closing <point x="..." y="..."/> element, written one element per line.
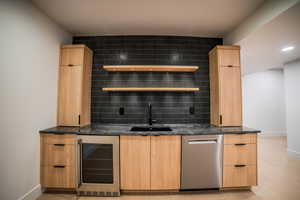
<point x="124" y="129"/>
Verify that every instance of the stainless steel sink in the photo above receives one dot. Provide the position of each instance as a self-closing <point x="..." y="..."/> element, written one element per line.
<point x="150" y="128"/>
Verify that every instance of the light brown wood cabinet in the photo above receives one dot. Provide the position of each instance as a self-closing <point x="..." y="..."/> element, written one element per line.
<point x="165" y="162"/>
<point x="58" y="161"/>
<point x="225" y="86"/>
<point x="74" y="92"/>
<point x="240" y="160"/>
<point x="135" y="162"/>
<point x="150" y="162"/>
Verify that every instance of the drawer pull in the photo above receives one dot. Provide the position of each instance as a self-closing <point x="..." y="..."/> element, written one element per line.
<point x="230" y="66"/>
<point x="240" y="144"/>
<point x="70" y="65"/>
<point x="239" y="165"/>
<point x="59" y="166"/>
<point x="60" y="145"/>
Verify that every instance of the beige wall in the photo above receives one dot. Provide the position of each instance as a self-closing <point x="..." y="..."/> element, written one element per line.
<point x="29" y="53"/>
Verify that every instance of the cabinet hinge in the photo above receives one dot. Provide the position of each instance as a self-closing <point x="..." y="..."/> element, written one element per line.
<point x="78" y="119"/>
<point x="221" y="119"/>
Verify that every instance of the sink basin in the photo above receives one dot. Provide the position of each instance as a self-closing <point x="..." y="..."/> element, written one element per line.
<point x="150" y="128"/>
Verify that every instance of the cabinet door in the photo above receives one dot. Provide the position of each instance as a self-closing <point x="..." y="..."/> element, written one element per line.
<point x="239" y="176"/>
<point x="69" y="97"/>
<point x="135" y="162"/>
<point x="58" y="176"/>
<point x="71" y="56"/>
<point x="58" y="154"/>
<point x="229" y="57"/>
<point x="230" y="96"/>
<point x="165" y="162"/>
<point x="240" y="154"/>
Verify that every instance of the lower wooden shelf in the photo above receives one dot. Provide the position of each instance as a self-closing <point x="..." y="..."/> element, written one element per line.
<point x="150" y="68"/>
<point x="152" y="89"/>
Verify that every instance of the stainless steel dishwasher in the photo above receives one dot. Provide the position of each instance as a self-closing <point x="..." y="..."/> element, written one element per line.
<point x="202" y="159"/>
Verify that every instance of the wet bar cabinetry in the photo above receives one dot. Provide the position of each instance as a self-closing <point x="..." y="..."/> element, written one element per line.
<point x="58" y="161"/>
<point x="225" y="86"/>
<point x="240" y="160"/>
<point x="74" y="90"/>
<point x="150" y="162"/>
<point x="146" y="162"/>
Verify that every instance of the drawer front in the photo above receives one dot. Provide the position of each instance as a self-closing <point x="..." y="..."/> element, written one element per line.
<point x="229" y="57"/>
<point x="240" y="138"/>
<point x="240" y="154"/>
<point x="72" y="56"/>
<point x="58" y="177"/>
<point x="58" y="154"/>
<point x="239" y="176"/>
<point x="58" y="139"/>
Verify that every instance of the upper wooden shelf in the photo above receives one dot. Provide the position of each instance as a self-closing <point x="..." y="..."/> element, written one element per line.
<point x="148" y="89"/>
<point x="150" y="68"/>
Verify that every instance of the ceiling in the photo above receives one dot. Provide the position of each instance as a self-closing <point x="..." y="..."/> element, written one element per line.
<point x="210" y="18"/>
<point x="261" y="50"/>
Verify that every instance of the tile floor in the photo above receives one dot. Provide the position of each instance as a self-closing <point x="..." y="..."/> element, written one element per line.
<point x="279" y="179"/>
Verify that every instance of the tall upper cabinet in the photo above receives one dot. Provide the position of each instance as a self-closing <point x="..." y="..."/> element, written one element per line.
<point x="74" y="90"/>
<point x="225" y="86"/>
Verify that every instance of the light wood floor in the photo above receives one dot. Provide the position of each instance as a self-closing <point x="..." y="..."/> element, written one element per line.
<point x="279" y="179"/>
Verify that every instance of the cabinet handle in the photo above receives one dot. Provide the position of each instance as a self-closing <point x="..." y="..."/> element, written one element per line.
<point x="70" y="65"/>
<point x="61" y="145"/>
<point x="240" y="144"/>
<point x="239" y="165"/>
<point x="221" y="119"/>
<point x="230" y="66"/>
<point x="79" y="119"/>
<point x="58" y="166"/>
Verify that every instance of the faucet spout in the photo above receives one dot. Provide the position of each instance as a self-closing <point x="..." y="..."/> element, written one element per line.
<point x="150" y="114"/>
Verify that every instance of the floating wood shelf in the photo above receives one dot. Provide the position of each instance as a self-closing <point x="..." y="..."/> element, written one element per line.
<point x="150" y="68"/>
<point x="148" y="89"/>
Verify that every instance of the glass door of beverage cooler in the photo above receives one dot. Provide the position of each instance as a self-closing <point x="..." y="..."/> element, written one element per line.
<point x="97" y="163"/>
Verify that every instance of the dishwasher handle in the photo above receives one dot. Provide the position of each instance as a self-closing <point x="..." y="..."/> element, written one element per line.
<point x="202" y="141"/>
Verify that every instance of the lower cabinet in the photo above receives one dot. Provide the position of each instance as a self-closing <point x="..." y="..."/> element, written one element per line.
<point x="135" y="162"/>
<point x="240" y="160"/>
<point x="150" y="162"/>
<point x="58" y="161"/>
<point x="58" y="176"/>
<point x="239" y="176"/>
<point x="165" y="162"/>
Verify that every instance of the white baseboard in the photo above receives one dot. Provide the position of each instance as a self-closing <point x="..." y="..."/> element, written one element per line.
<point x="32" y="194"/>
<point x="272" y="133"/>
<point x="294" y="154"/>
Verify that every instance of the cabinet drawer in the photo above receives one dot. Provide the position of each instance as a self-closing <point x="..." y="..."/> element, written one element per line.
<point x="240" y="139"/>
<point x="58" y="154"/>
<point x="240" y="154"/>
<point x="229" y="57"/>
<point x="58" y="177"/>
<point x="58" y="139"/>
<point x="239" y="176"/>
<point x="72" y="56"/>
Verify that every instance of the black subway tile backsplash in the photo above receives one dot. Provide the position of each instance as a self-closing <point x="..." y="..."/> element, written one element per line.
<point x="168" y="107"/>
